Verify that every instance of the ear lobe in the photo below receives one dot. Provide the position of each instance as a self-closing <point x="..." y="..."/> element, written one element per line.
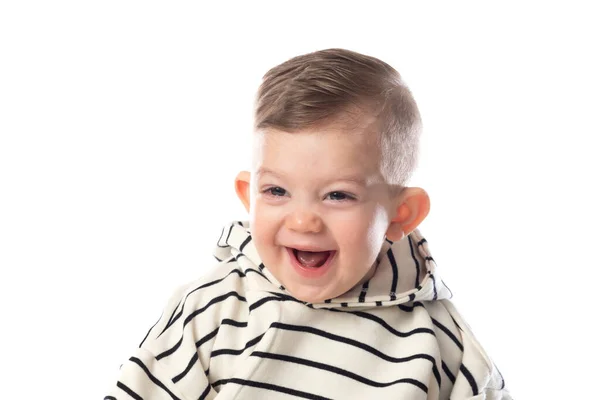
<point x="242" y="188"/>
<point x="395" y="232"/>
<point x="413" y="209"/>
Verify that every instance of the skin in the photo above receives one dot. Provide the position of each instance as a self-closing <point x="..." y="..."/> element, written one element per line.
<point x="322" y="189"/>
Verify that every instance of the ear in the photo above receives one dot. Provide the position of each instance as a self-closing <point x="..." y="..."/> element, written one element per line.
<point x="242" y="188"/>
<point x="412" y="208"/>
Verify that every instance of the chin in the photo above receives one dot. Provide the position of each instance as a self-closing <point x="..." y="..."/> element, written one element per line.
<point x="312" y="299"/>
<point x="308" y="297"/>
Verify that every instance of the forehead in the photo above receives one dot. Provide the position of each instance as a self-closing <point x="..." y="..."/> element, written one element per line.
<point x="327" y="150"/>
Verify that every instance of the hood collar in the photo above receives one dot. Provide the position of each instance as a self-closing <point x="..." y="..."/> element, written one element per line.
<point x="406" y="271"/>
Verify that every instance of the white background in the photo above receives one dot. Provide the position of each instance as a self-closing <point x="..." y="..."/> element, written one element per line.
<point x="115" y="117"/>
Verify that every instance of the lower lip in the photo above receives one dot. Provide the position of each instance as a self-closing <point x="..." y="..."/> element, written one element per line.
<point x="308" y="272"/>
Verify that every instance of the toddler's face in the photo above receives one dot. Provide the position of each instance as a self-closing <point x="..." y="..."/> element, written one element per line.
<point x="319" y="208"/>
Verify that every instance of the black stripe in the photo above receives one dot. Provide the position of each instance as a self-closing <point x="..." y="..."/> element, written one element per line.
<point x="429" y="259"/>
<point x="153" y="378"/>
<point x="378" y="303"/>
<point x="204" y="339"/>
<point x="386" y="325"/>
<point x="351" y="342"/>
<point x="283" y="297"/>
<point x="411" y="297"/>
<point x="421" y="242"/>
<point x="264" y="300"/>
<point x="214" y="301"/>
<point x="435" y="296"/>
<point x="286" y="297"/>
<point x="170" y="321"/>
<point x="437" y="375"/>
<point x="449" y="373"/>
<point x="221" y="237"/>
<point x="173" y="320"/>
<point x="392" y="259"/>
<point x="406" y="308"/>
<point x="470" y="378"/>
<point x="336" y="370"/>
<point x="268" y="386"/>
<point x="205" y="393"/>
<point x="447" y="288"/>
<point x="149" y="330"/>
<point x="200" y="342"/>
<point x="110" y="398"/>
<point x="456" y="323"/>
<point x="237" y="324"/>
<point x="449" y="333"/>
<point x="237" y="352"/>
<point x="363" y="292"/>
<point x="261" y="266"/>
<point x="256" y="272"/>
<point x="187" y="369"/>
<point x="217" y="258"/>
<point x="389" y="241"/>
<point x="240" y="224"/>
<point x="170" y="351"/>
<point x="130" y="392"/>
<point x="417" y="266"/>
<point x="328" y="301"/>
<point x="245" y="242"/>
<point x="207" y="337"/>
<point x="229" y="234"/>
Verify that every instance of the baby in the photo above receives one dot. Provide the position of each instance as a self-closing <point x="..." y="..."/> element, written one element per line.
<point x="329" y="291"/>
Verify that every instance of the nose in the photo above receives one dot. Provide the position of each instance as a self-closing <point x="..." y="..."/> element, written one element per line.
<point x="304" y="221"/>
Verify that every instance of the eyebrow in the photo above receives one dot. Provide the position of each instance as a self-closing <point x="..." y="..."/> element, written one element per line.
<point x="357" y="179"/>
<point x="263" y="171"/>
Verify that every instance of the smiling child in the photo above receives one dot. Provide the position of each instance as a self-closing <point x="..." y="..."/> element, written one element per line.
<point x="329" y="291"/>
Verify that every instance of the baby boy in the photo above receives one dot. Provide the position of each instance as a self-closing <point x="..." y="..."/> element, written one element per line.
<point x="329" y="291"/>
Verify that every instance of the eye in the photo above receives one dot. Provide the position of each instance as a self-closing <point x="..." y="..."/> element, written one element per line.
<point x="340" y="196"/>
<point x="275" y="191"/>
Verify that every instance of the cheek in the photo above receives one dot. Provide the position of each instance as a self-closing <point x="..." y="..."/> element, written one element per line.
<point x="261" y="211"/>
<point x="365" y="229"/>
<point x="263" y="225"/>
<point x="378" y="226"/>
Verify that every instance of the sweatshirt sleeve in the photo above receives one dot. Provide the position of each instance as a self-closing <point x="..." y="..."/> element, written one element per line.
<point x="167" y="364"/>
<point x="142" y="377"/>
<point x="478" y="377"/>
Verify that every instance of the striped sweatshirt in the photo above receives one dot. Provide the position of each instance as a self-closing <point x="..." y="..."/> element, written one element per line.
<point x="236" y="333"/>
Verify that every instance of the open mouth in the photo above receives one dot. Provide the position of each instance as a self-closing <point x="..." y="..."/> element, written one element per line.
<point x="311" y="259"/>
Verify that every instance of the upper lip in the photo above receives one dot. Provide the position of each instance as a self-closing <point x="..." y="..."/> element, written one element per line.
<point x="308" y="248"/>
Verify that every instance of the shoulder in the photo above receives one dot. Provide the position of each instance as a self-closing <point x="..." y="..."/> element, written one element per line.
<point x="198" y="305"/>
<point x="477" y="367"/>
<point x="222" y="277"/>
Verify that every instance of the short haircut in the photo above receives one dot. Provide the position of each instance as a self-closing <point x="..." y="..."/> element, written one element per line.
<point x="316" y="88"/>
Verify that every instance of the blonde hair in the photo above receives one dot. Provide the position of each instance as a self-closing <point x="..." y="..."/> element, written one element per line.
<point x="319" y="87"/>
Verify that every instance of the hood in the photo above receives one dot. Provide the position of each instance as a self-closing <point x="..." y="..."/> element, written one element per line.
<point x="406" y="271"/>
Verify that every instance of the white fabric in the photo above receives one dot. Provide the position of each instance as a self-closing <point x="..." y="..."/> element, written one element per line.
<point x="236" y="333"/>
